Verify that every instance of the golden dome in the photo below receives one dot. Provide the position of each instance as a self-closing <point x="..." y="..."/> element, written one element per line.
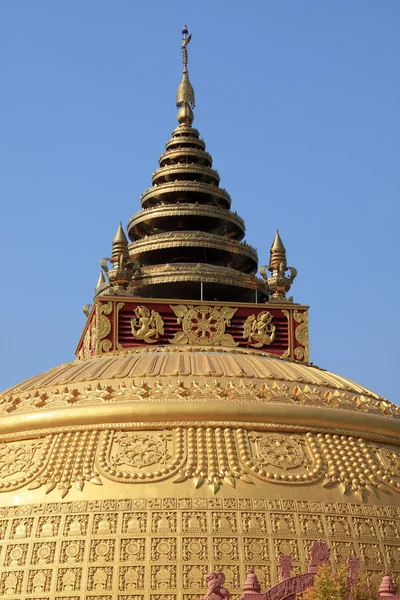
<point x="191" y="434"/>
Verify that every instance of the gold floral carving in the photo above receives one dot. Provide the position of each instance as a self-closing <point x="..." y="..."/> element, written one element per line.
<point x="301" y="334"/>
<point x="103" y="327"/>
<point x="286" y="354"/>
<point x="203" y="325"/>
<point x="147" y="326"/>
<point x="258" y="329"/>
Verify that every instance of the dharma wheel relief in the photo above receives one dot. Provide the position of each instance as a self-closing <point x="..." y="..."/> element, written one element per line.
<point x="205" y="456"/>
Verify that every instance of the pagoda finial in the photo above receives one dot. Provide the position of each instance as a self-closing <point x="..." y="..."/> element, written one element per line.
<point x="120" y="244"/>
<point x="278" y="283"/>
<point x="185" y="94"/>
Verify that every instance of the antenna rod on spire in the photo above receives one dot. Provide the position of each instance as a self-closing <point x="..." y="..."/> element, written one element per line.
<point x="185" y="41"/>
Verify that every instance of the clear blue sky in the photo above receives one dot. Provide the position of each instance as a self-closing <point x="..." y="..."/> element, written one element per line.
<point x="298" y="102"/>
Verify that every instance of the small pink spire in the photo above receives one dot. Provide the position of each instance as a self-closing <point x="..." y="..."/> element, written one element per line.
<point x="252" y="585"/>
<point x="387" y="587"/>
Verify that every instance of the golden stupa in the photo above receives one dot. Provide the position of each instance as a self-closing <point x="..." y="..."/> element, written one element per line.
<point x="191" y="434"/>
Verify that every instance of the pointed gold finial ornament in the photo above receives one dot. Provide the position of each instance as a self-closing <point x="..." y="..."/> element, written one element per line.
<point x="278" y="283"/>
<point x="185" y="93"/>
<point x="120" y="276"/>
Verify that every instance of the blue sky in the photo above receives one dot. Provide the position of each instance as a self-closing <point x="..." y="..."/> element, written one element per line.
<point x="298" y="103"/>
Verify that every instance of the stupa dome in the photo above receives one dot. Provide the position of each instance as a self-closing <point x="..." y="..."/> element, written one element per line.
<point x="192" y="433"/>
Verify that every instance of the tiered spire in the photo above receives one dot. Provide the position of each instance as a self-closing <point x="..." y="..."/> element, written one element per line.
<point x="186" y="242"/>
<point x="186" y="239"/>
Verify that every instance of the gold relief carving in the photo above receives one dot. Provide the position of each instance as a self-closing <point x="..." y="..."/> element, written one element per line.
<point x="134" y="457"/>
<point x="370" y="555"/>
<point x="390" y="458"/>
<point x="203" y="325"/>
<point x="163" y="577"/>
<point x="163" y="522"/>
<point x="131" y="578"/>
<point x="192" y="597"/>
<point x="163" y="549"/>
<point x="132" y="549"/>
<point x="283" y="524"/>
<point x="105" y="523"/>
<point x="147" y="326"/>
<point x="256" y="549"/>
<point x="280" y="451"/>
<point x="311" y="525"/>
<point x="225" y="548"/>
<point x="287" y="546"/>
<point x="43" y="553"/>
<point x="15" y="555"/>
<point x="388" y="529"/>
<point x="102" y="597"/>
<point x="341" y="551"/>
<point x="288" y="352"/>
<point x="134" y="522"/>
<point x="76" y="525"/>
<point x="364" y="528"/>
<point x="100" y="578"/>
<point x="22" y="462"/>
<point x="11" y="582"/>
<point x="103" y="327"/>
<point x="21" y="528"/>
<point x="232" y="575"/>
<point x="69" y="580"/>
<point x="194" y="522"/>
<point x="194" y="576"/>
<point x="254" y="522"/>
<point x="39" y="581"/>
<point x="48" y="526"/>
<point x="301" y="334"/>
<point x="224" y="522"/>
<point x="72" y="551"/>
<point x="194" y="548"/>
<point x="102" y="550"/>
<point x="159" y="597"/>
<point x="392" y="554"/>
<point x="258" y="330"/>
<point x="133" y="597"/>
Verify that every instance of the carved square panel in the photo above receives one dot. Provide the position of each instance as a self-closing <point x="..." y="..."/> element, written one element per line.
<point x="274" y="504"/>
<point x="193" y="596"/>
<point x="246" y="504"/>
<point x="105" y="523"/>
<point x="43" y="553"/>
<point x="253" y="522"/>
<point x="283" y="524"/>
<point x="72" y="551"/>
<point x="131" y="597"/>
<point x="131" y="578"/>
<point x="48" y="526"/>
<point x="163" y="577"/>
<point x="15" y="555"/>
<point x="225" y="548"/>
<point x="100" y="578"/>
<point x="288" y="505"/>
<point x="162" y="596"/>
<point x="11" y="582"/>
<point x="163" y="549"/>
<point x="229" y="503"/>
<point x="224" y="522"/>
<point x="388" y="529"/>
<point x="168" y="503"/>
<point x="256" y="549"/>
<point x="199" y="503"/>
<point x="232" y="575"/>
<point x="76" y="525"/>
<point x="97" y="597"/>
<point x="370" y="555"/>
<point x="194" y="521"/>
<point x="21" y="528"/>
<point x="338" y="526"/>
<point x="341" y="551"/>
<point x="392" y="554"/>
<point x="374" y="578"/>
<point x="132" y="549"/>
<point x="194" y="577"/>
<point x="303" y="506"/>
<point x="39" y="580"/>
<point x="102" y="550"/>
<point x="69" y="579"/>
<point x="194" y="548"/>
<point x="138" y="503"/>
<point x="163" y="522"/>
<point x="134" y="523"/>
<point x="185" y="503"/>
<point x="287" y="546"/>
<point x="343" y="508"/>
<point x="364" y="528"/>
<point x="311" y="525"/>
